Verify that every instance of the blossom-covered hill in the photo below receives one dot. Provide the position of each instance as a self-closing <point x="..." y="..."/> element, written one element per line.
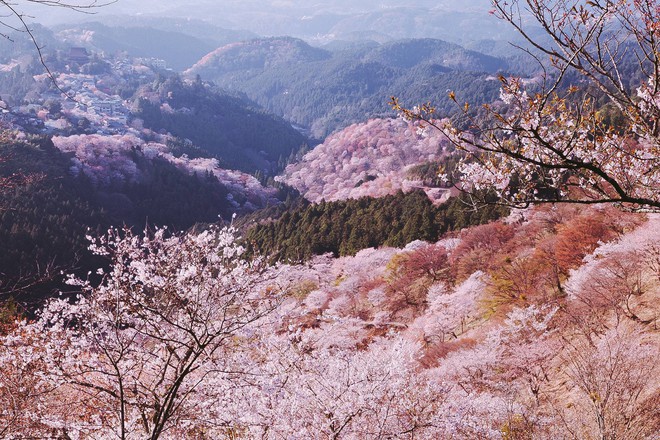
<point x="112" y="160"/>
<point x="368" y="159"/>
<point x="543" y="326"/>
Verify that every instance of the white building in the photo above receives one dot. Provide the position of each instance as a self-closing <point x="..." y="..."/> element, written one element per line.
<point x="107" y="107"/>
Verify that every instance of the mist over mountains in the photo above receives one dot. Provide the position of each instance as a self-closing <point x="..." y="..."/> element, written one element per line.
<point x="318" y="22"/>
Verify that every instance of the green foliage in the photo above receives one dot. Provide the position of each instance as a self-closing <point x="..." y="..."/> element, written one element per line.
<point x="346" y="227"/>
<point x="10" y="311"/>
<point x="167" y="196"/>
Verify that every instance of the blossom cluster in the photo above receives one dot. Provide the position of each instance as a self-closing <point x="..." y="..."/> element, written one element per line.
<point x="368" y="159"/>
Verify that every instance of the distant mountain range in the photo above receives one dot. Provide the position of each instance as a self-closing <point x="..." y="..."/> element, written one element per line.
<point x="319" y="21"/>
<point x="322" y="90"/>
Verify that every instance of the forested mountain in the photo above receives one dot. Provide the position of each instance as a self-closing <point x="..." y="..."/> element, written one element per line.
<point x="96" y="164"/>
<point x="44" y="220"/>
<point x="324" y="91"/>
<point x="19" y="62"/>
<point x="19" y="45"/>
<point x="227" y="127"/>
<point x="80" y="185"/>
<point x="257" y="55"/>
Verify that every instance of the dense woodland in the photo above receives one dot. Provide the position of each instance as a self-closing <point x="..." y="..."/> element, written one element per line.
<point x="45" y="220"/>
<point x="346" y="227"/>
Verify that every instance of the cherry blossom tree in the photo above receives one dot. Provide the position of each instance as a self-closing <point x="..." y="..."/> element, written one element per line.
<point x="614" y="380"/>
<point x="551" y="142"/>
<point x="342" y="394"/>
<point x="146" y="352"/>
<point x="23" y="388"/>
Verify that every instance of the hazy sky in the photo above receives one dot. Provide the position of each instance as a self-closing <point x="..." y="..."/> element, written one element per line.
<point x="323" y="20"/>
<point x="216" y="9"/>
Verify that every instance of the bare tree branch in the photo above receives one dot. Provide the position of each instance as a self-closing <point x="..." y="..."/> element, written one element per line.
<point x="14" y="13"/>
<point x="551" y="143"/>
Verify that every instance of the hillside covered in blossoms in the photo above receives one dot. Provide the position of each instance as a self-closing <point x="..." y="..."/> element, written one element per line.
<point x="374" y="158"/>
<point x="357" y="231"/>
<point x="542" y="325"/>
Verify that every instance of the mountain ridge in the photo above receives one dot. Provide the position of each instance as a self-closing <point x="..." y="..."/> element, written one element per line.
<point x="324" y="91"/>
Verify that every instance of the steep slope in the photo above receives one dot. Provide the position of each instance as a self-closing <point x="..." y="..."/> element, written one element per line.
<point x="522" y="325"/>
<point x="542" y="326"/>
<point x="228" y="127"/>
